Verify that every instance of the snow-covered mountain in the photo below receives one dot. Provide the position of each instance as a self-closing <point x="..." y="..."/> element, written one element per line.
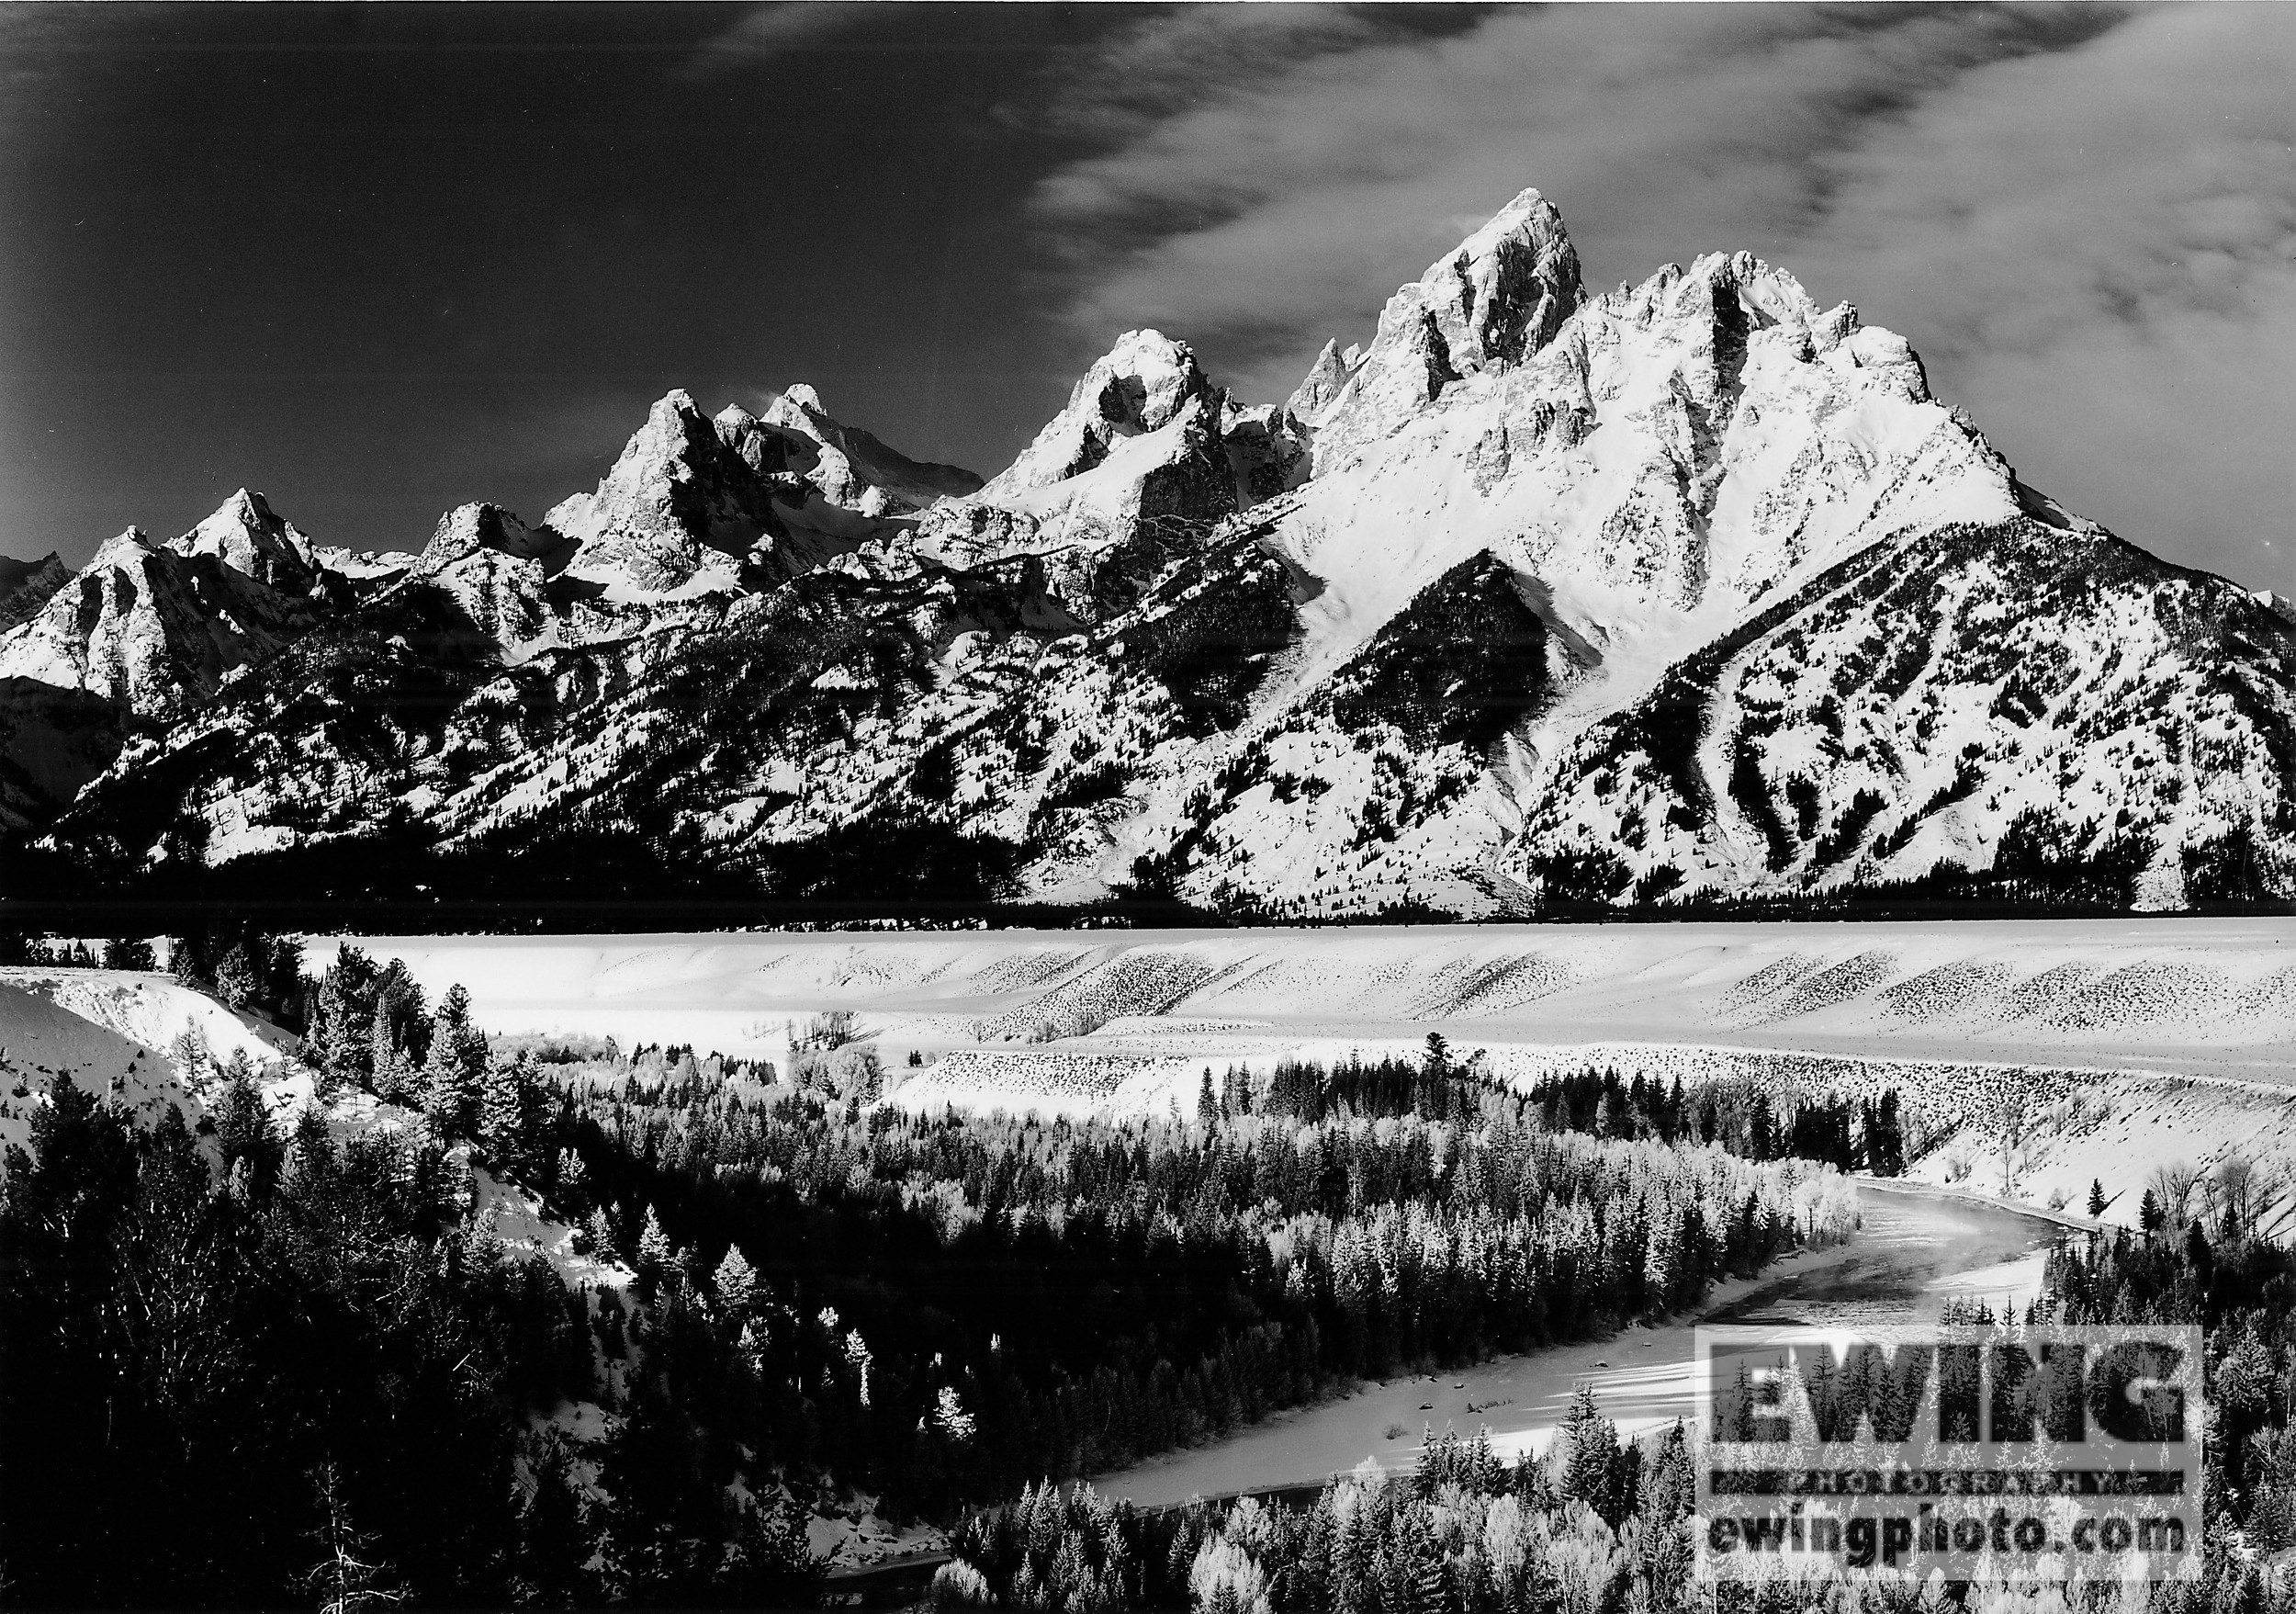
<point x="1542" y="598"/>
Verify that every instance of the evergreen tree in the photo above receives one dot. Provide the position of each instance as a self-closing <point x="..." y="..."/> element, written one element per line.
<point x="601" y="1234"/>
<point x="1761" y="1135"/>
<point x="391" y="1077"/>
<point x="1426" y="1589"/>
<point x="554" y="1547"/>
<point x="735" y="1282"/>
<point x="502" y="1112"/>
<point x="1207" y="1104"/>
<point x="127" y="953"/>
<point x="654" y="1252"/>
<point x="454" y="1075"/>
<point x="237" y="980"/>
<point x="188" y="1054"/>
<point x="772" y="1565"/>
<point x="2097" y="1197"/>
<point x="244" y="1129"/>
<point x="1588" y="1448"/>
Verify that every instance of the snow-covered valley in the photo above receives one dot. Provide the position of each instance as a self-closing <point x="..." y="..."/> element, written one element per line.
<point x="2033" y="1058"/>
<point x="2098" y="1048"/>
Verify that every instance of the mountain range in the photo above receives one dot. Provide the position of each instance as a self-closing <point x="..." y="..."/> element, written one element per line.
<point x="1682" y="596"/>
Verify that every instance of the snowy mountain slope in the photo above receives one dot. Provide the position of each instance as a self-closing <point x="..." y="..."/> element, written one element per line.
<point x="27" y="585"/>
<point x="1939" y="700"/>
<point x="40" y="1041"/>
<point x="1688" y="590"/>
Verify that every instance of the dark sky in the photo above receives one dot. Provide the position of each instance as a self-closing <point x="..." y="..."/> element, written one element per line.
<point x="380" y="260"/>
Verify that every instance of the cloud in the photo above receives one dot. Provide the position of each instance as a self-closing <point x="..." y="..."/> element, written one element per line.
<point x="2080" y="216"/>
<point x="766" y="33"/>
<point x="2097" y="253"/>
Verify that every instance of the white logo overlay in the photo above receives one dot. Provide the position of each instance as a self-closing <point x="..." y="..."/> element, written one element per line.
<point x="2010" y="1453"/>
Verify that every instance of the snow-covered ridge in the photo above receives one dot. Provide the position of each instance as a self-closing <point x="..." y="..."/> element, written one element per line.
<point x="118" y="1034"/>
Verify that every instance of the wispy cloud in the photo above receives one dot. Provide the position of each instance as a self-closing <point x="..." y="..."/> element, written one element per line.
<point x="2100" y="195"/>
<point x="762" y="34"/>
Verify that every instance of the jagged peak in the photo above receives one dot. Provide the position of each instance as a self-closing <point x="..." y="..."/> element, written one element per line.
<point x="1144" y="382"/>
<point x="1147" y="375"/>
<point x="1497" y="297"/>
<point x="1487" y="305"/>
<point x="252" y="539"/>
<point x="676" y="436"/>
<point x="126" y="548"/>
<point x="480" y="524"/>
<point x="1325" y="376"/>
<point x="1505" y="290"/>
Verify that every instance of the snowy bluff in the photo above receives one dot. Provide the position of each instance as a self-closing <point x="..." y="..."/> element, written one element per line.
<point x="1543" y="600"/>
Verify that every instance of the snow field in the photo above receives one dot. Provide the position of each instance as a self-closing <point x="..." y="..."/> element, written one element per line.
<point x="2094" y="1051"/>
<point x="2187" y="997"/>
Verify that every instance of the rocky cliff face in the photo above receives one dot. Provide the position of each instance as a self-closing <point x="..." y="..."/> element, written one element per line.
<point x="150" y="628"/>
<point x="1541" y="599"/>
<point x="27" y="585"/>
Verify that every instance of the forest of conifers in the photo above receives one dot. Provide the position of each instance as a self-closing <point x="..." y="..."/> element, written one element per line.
<point x="275" y="1365"/>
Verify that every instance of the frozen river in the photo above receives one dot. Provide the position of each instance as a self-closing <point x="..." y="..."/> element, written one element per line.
<point x="1912" y="1254"/>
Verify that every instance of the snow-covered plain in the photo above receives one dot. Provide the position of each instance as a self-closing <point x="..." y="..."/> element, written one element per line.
<point x="2214" y="998"/>
<point x="2070" y="1051"/>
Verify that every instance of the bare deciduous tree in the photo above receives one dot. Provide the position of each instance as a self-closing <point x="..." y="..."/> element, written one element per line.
<point x="2172" y="1184"/>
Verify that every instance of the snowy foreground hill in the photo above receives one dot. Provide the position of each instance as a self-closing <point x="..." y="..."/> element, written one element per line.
<point x="1544" y="600"/>
<point x="147" y="1043"/>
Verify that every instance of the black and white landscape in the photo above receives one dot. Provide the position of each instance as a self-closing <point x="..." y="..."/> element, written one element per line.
<point x="1541" y="600"/>
<point x="1191" y="1016"/>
